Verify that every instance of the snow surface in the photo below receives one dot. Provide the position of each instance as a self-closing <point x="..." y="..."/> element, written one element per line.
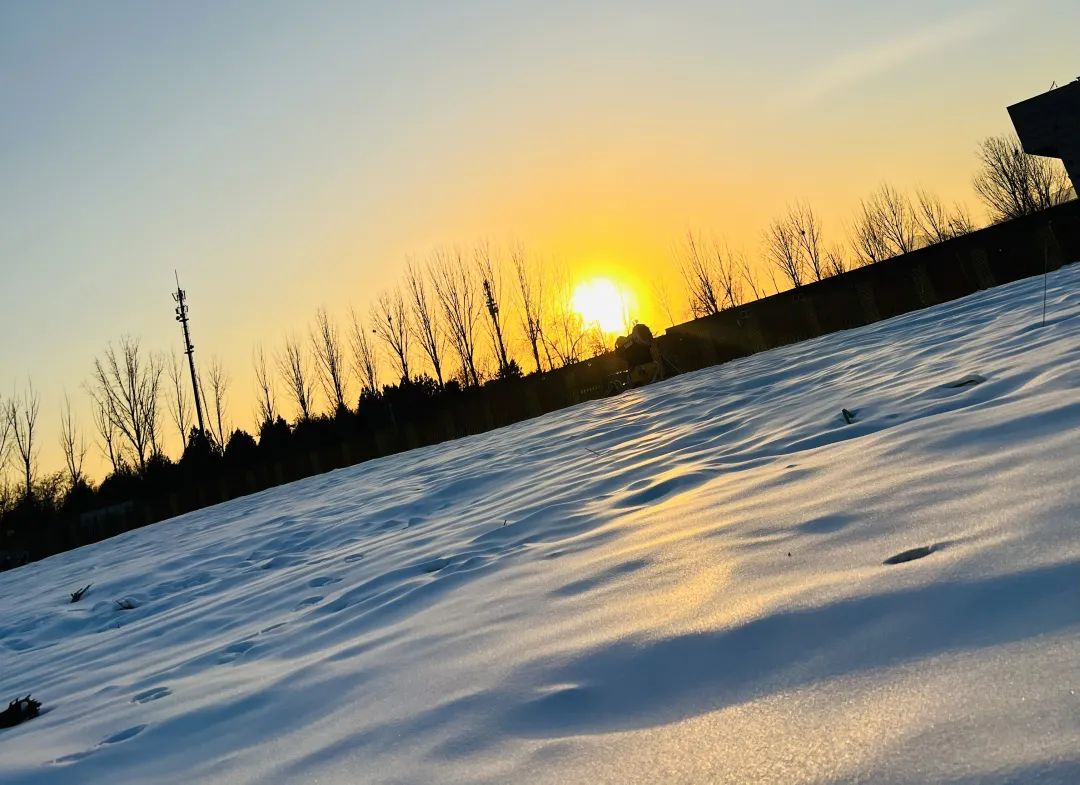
<point x="680" y="584"/>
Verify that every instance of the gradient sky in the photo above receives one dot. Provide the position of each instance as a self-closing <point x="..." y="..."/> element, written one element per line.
<point x="284" y="156"/>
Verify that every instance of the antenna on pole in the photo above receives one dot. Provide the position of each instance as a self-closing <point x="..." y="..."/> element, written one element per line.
<point x="493" y="309"/>
<point x="180" y="298"/>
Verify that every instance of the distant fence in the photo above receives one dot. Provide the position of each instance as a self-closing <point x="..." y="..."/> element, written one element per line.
<point x="952" y="269"/>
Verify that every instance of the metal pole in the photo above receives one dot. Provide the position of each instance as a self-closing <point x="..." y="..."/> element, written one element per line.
<point x="180" y="298"/>
<point x="493" y="309"/>
<point x="1046" y="267"/>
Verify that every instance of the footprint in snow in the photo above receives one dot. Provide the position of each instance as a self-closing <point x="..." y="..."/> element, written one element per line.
<point x="307" y="602"/>
<point x="434" y="565"/>
<point x="323" y="580"/>
<point x="116" y="738"/>
<point x="966" y="381"/>
<point x="277" y="562"/>
<point x="156" y="693"/>
<point x="910" y="555"/>
<point x="235" y="651"/>
<point x="124" y="735"/>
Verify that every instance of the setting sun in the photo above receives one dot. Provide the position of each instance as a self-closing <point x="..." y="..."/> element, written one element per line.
<point x="602" y="302"/>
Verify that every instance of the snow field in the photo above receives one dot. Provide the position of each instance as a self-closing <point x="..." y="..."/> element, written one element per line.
<point x="684" y="583"/>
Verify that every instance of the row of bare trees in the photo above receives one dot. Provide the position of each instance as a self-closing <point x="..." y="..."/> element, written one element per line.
<point x="20" y="442"/>
<point x="888" y="223"/>
<point x="458" y="318"/>
<point x="128" y="390"/>
<point x="795" y="252"/>
<point x="19" y="434"/>
<point x="455" y="318"/>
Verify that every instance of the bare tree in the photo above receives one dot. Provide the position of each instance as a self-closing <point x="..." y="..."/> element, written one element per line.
<point x="750" y="278"/>
<point x="109" y="437"/>
<point x="960" y="221"/>
<point x="712" y="276"/>
<point x="294" y="369"/>
<point x="330" y="360"/>
<point x="218" y="399"/>
<point x="491" y="284"/>
<point x="661" y="292"/>
<point x="153" y="420"/>
<point x="727" y="275"/>
<point x="456" y="292"/>
<point x="564" y="334"/>
<point x="594" y="341"/>
<point x="264" y="382"/>
<point x="128" y="387"/>
<point x="531" y="294"/>
<point x="897" y="218"/>
<point x="424" y="326"/>
<point x="5" y="438"/>
<point x="365" y="362"/>
<point x="1013" y="183"/>
<point x="868" y="237"/>
<point x="7" y="496"/>
<point x="886" y="225"/>
<point x="180" y="411"/>
<point x="932" y="217"/>
<point x="936" y="222"/>
<point x="390" y="318"/>
<point x="835" y="261"/>
<point x="784" y="251"/>
<point x="700" y="278"/>
<point x="22" y="414"/>
<point x="796" y="248"/>
<point x="73" y="445"/>
<point x="807" y="229"/>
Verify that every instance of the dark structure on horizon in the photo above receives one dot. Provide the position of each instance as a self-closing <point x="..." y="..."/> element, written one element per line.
<point x="180" y="298"/>
<point x="1049" y="125"/>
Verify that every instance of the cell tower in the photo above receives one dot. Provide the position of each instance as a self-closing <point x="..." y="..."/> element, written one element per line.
<point x="180" y="298"/>
<point x="493" y="310"/>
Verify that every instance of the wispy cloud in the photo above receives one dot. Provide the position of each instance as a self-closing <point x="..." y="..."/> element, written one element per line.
<point x="885" y="54"/>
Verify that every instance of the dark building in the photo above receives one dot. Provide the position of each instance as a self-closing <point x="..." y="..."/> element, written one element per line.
<point x="1049" y="125"/>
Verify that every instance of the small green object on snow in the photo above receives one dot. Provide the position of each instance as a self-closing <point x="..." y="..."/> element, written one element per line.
<point x="849" y="416"/>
